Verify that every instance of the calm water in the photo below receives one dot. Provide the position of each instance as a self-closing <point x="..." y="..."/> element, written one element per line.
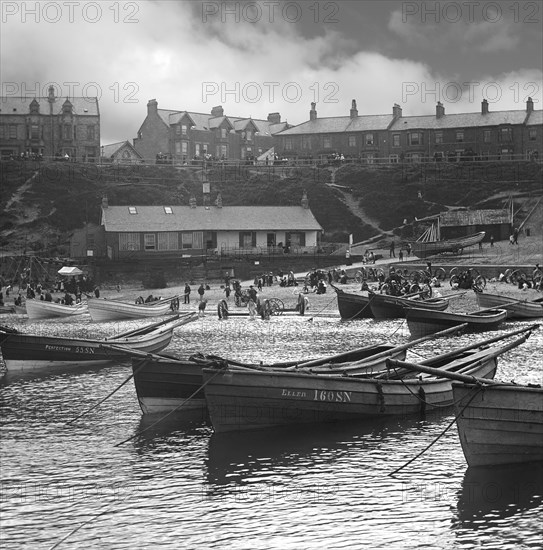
<point x="178" y="485"/>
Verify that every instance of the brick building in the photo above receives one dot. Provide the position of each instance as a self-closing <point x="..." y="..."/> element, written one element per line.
<point x="120" y="153"/>
<point x="181" y="136"/>
<point x="50" y="126"/>
<point x="487" y="135"/>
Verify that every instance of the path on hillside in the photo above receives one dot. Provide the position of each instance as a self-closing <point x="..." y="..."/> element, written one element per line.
<point x="25" y="212"/>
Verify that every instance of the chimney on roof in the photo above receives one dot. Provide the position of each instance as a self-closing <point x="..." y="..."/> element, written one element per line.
<point x="313" y="112"/>
<point x="152" y="107"/>
<point x="192" y="201"/>
<point x="305" y="200"/>
<point x="396" y="111"/>
<point x="484" y="107"/>
<point x="529" y="105"/>
<point x="51" y="96"/>
<point x="440" y="110"/>
<point x="274" y="118"/>
<point x="354" y="110"/>
<point x="105" y="203"/>
<point x="217" y="111"/>
<point x="218" y="200"/>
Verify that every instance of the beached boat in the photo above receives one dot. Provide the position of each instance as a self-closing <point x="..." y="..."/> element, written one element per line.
<point x="243" y="398"/>
<point x="22" y="352"/>
<point x="499" y="423"/>
<point x="516" y="309"/>
<point x="422" y="322"/>
<point x="112" y="310"/>
<point x="40" y="309"/>
<point x="164" y="384"/>
<point x="7" y="309"/>
<point x="384" y="306"/>
<point x="353" y="306"/>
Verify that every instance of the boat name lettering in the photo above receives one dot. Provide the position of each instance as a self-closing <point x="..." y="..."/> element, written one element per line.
<point x="293" y="393"/>
<point x="57" y="348"/>
<point x="332" y="395"/>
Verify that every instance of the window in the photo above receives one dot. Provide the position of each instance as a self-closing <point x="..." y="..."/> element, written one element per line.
<point x="197" y="149"/>
<point x="186" y="240"/>
<point x="306" y="142"/>
<point x="249" y="135"/>
<point x="67" y="131"/>
<point x="460" y="136"/>
<point x="393" y="159"/>
<point x="132" y="210"/>
<point x="295" y="238"/>
<point x="288" y="144"/>
<point x="168" y="241"/>
<point x="13" y="131"/>
<point x="326" y="142"/>
<point x="438" y="137"/>
<point x="183" y="129"/>
<point x="486" y="136"/>
<point x="370" y="157"/>
<point x="184" y="147"/>
<point x="177" y="129"/>
<point x="532" y="134"/>
<point x="223" y="133"/>
<point x="352" y="141"/>
<point x="34" y="131"/>
<point x="168" y="210"/>
<point x="177" y="147"/>
<point x="415" y="138"/>
<point x="369" y="139"/>
<point x="505" y="134"/>
<point x="247" y="239"/>
<point x="149" y="240"/>
<point x="90" y="133"/>
<point x="129" y="241"/>
<point x="395" y="140"/>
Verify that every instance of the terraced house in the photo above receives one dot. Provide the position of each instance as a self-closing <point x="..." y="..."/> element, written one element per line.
<point x="50" y="126"/>
<point x="486" y="135"/>
<point x="180" y="136"/>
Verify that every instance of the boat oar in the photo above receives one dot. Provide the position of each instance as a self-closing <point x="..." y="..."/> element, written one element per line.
<point x="136" y="370"/>
<point x="383" y="353"/>
<point x="145" y="328"/>
<point x="467" y="378"/>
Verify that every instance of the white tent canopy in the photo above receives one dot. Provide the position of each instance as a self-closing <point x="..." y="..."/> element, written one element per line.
<point x="70" y="271"/>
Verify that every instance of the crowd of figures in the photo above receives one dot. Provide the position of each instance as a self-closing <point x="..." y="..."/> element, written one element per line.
<point x="24" y="287"/>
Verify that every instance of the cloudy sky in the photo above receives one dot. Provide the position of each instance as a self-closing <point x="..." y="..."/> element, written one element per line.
<point x="274" y="56"/>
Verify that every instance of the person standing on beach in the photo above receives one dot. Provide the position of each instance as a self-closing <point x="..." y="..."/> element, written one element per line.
<point x="201" y="291"/>
<point x="187" y="294"/>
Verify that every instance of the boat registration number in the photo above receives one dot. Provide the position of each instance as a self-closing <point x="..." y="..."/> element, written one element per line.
<point x="84" y="349"/>
<point x="332" y="395"/>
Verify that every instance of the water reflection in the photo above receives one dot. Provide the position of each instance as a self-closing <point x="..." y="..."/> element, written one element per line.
<point x="489" y="495"/>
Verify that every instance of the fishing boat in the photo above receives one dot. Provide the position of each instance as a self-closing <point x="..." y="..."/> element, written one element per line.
<point x="422" y="322"/>
<point x="499" y="423"/>
<point x="353" y="306"/>
<point x="164" y="383"/>
<point x="40" y="309"/>
<point x="384" y="306"/>
<point x="241" y="398"/>
<point x="26" y="352"/>
<point x="516" y="309"/>
<point x="112" y="310"/>
<point x="7" y="309"/>
<point x="430" y="242"/>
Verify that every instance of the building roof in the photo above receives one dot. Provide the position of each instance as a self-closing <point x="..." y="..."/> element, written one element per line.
<point x="460" y="120"/>
<point x="474" y="217"/>
<point x="81" y="106"/>
<point x="227" y="218"/>
<point x="111" y="149"/>
<point x="536" y="117"/>
<point x="329" y="125"/>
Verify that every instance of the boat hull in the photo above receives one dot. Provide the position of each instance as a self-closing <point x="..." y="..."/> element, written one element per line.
<point x="353" y="306"/>
<point x="499" y="424"/>
<point x="110" y="310"/>
<point x="40" y="309"/>
<point x="252" y="400"/>
<point x="393" y="307"/>
<point x="430" y="248"/>
<point x="515" y="309"/>
<point x="164" y="385"/>
<point x="422" y="322"/>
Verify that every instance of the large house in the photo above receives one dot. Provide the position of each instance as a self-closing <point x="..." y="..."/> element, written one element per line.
<point x="184" y="231"/>
<point x="181" y="136"/>
<point x="121" y="152"/>
<point x="50" y="127"/>
<point x="487" y="135"/>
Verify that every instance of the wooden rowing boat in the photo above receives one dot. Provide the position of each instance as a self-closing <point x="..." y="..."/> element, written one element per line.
<point x="40" y="309"/>
<point x="516" y="309"/>
<point x="241" y="399"/>
<point x="353" y="306"/>
<point x="422" y="322"/>
<point x="25" y="352"/>
<point x="423" y="249"/>
<point x="112" y="310"/>
<point x="499" y="423"/>
<point x="384" y="306"/>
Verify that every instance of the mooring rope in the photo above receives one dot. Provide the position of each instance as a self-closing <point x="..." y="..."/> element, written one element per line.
<point x="478" y="388"/>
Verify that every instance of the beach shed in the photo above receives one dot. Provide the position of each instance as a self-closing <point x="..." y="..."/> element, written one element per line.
<point x="458" y="223"/>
